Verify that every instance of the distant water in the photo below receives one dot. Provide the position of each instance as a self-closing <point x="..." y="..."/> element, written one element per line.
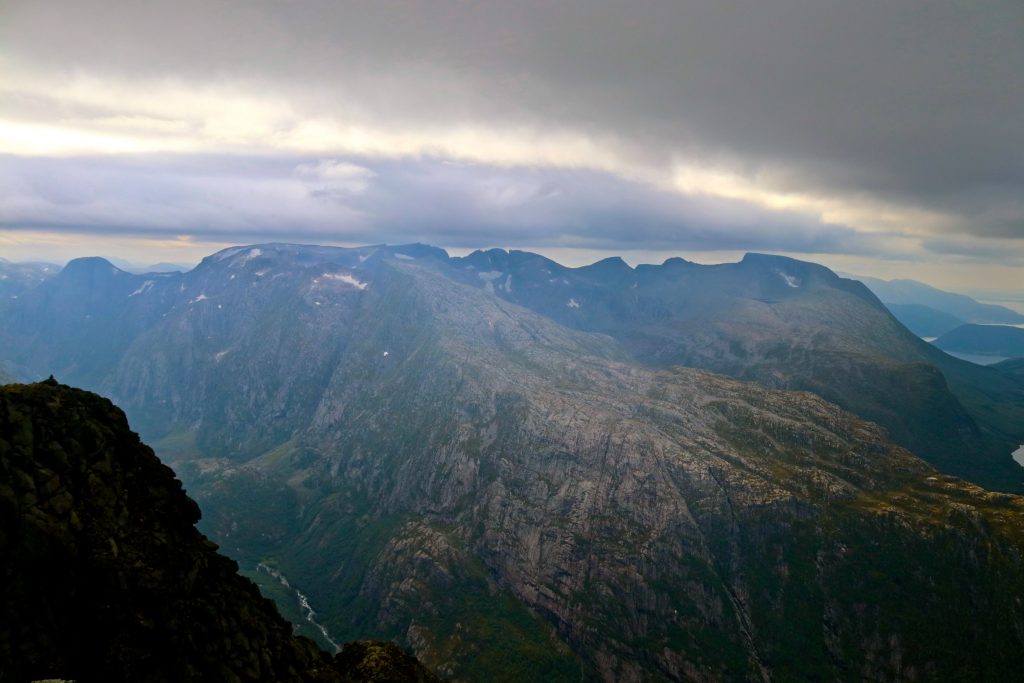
<point x="1018" y="456"/>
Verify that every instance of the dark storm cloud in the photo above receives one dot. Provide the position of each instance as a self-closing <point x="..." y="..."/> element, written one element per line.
<point x="915" y="103"/>
<point x="369" y="201"/>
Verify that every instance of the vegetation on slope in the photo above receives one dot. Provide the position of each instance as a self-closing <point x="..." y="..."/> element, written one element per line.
<point x="106" y="578"/>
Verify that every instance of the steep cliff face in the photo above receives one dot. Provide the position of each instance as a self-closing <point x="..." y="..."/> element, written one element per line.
<point x="518" y="499"/>
<point x="780" y="322"/>
<point x="514" y="500"/>
<point x="105" y="577"/>
<point x="786" y="324"/>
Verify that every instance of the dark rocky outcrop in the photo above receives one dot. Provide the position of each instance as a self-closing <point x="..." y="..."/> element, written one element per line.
<point x="105" y="577"/>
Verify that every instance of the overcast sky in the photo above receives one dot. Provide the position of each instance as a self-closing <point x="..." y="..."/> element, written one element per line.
<point x="880" y="137"/>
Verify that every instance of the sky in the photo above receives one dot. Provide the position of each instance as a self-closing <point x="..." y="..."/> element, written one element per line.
<point x="877" y="137"/>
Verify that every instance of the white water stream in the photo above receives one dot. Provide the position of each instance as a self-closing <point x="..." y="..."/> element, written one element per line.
<point x="304" y="606"/>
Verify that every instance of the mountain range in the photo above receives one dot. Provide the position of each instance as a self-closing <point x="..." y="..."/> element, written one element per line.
<point x="523" y="471"/>
<point x="931" y="312"/>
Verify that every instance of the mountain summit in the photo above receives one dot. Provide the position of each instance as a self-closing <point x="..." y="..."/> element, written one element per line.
<point x="503" y="464"/>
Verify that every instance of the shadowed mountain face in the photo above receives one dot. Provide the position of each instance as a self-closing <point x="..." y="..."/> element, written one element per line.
<point x="106" y="578"/>
<point x="465" y="455"/>
<point x="993" y="340"/>
<point x="1013" y="366"/>
<point x="924" y="321"/>
<point x="785" y="324"/>
<point x="511" y="495"/>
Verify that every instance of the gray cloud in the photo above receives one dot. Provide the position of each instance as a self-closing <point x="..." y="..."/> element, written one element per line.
<point x="918" y="103"/>
<point x="370" y="200"/>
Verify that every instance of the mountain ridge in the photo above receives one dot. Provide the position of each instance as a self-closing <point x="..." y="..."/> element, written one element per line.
<point x="106" y="578"/>
<point x="807" y="329"/>
<point x="439" y="464"/>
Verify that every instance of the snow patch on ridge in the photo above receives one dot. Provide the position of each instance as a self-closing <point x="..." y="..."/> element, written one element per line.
<point x="250" y="255"/>
<point x="789" y="279"/>
<point x="145" y="287"/>
<point x="228" y="253"/>
<point x="488" y="277"/>
<point x="343" y="277"/>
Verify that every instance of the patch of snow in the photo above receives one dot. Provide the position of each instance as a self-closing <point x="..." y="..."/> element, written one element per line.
<point x="573" y="303"/>
<point x="343" y="277"/>
<point x="220" y="354"/>
<point x="201" y="297"/>
<point x="405" y="257"/>
<point x="219" y="306"/>
<point x="488" y="277"/>
<point x="228" y="253"/>
<point x="508" y="284"/>
<point x="261" y="273"/>
<point x="385" y="354"/>
<point x="145" y="287"/>
<point x="249" y="255"/>
<point x="232" y="276"/>
<point x="789" y="279"/>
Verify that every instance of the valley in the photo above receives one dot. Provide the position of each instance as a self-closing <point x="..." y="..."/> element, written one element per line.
<point x="695" y="472"/>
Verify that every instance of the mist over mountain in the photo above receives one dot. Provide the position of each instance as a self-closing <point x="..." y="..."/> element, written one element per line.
<point x="966" y="309"/>
<point x="924" y="321"/>
<point x="523" y="471"/>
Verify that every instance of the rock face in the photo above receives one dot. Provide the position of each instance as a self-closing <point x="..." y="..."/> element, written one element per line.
<point x="783" y="323"/>
<point x="515" y="497"/>
<point x="786" y="324"/>
<point x="105" y="577"/>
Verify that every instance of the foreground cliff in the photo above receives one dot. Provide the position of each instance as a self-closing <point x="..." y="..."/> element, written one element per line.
<point x="105" y="577"/>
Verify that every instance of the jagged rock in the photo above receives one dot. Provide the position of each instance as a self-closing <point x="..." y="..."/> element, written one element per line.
<point x="105" y="577"/>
